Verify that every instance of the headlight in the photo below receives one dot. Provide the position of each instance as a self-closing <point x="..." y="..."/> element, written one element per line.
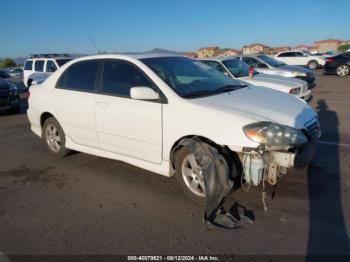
<point x="273" y="134"/>
<point x="296" y="74"/>
<point x="295" y="91"/>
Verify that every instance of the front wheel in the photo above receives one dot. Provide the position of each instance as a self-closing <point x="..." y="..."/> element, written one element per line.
<point x="312" y="65"/>
<point x="343" y="70"/>
<point x="54" y="137"/>
<point x="194" y="162"/>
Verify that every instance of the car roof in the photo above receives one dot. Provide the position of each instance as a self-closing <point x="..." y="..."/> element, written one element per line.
<point x="137" y="56"/>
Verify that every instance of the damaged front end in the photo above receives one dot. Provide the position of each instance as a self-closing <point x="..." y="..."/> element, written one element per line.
<point x="280" y="147"/>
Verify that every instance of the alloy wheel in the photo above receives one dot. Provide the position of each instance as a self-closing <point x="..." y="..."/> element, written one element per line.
<point x="343" y="70"/>
<point x="193" y="175"/>
<point x="53" y="138"/>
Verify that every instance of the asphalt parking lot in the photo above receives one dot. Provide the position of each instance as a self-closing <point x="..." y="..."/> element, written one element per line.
<point x="84" y="204"/>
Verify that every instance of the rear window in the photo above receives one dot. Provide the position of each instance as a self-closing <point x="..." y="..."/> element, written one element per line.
<point x="39" y="65"/>
<point x="28" y="65"/>
<point x="80" y="76"/>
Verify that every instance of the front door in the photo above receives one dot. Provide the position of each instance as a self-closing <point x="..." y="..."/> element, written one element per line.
<point x="124" y="125"/>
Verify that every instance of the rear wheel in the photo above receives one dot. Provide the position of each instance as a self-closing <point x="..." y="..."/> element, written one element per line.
<point x="343" y="70"/>
<point x="312" y="65"/>
<point x="54" y="137"/>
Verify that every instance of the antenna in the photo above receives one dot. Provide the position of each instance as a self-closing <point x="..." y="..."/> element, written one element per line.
<point x="93" y="42"/>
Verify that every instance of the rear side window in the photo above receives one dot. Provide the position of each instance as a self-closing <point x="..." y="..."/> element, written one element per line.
<point x="289" y="54"/>
<point x="39" y="65"/>
<point x="80" y="76"/>
<point x="50" y="66"/>
<point x="119" y="77"/>
<point x="28" y="65"/>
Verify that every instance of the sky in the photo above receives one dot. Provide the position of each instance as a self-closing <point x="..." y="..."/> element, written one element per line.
<point x="64" y="26"/>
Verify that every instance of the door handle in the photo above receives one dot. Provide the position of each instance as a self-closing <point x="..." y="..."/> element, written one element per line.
<point x="102" y="104"/>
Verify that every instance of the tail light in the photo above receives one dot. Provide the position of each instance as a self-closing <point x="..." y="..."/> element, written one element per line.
<point x="295" y="91"/>
<point x="329" y="59"/>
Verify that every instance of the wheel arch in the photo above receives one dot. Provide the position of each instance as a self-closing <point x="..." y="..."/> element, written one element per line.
<point x="43" y="117"/>
<point x="177" y="146"/>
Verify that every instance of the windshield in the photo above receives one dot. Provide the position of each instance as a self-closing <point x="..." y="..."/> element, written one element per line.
<point x="191" y="78"/>
<point x="270" y="61"/>
<point x="237" y="67"/>
<point x="61" y="62"/>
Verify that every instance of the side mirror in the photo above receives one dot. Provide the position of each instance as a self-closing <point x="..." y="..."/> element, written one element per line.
<point x="143" y="93"/>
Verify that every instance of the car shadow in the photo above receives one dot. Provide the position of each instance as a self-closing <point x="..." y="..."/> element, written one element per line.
<point x="327" y="228"/>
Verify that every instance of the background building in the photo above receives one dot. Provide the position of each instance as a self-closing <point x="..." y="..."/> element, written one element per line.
<point x="256" y="48"/>
<point x="207" y="51"/>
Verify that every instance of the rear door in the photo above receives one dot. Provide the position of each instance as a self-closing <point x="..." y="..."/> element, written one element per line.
<point x="287" y="57"/>
<point x="301" y="59"/>
<point x="124" y="125"/>
<point x="74" y="101"/>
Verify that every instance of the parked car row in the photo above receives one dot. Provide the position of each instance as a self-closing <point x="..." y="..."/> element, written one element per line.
<point x="175" y="115"/>
<point x="237" y="69"/>
<point x="268" y="65"/>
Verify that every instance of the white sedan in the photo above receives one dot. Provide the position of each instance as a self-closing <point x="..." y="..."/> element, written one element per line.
<point x="172" y="115"/>
<point x="239" y="70"/>
<point x="301" y="58"/>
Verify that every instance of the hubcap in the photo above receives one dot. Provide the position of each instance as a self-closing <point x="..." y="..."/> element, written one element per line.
<point x="192" y="174"/>
<point x="53" y="138"/>
<point x="343" y="70"/>
<point x="313" y="65"/>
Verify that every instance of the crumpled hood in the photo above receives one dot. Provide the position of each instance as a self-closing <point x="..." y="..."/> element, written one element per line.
<point x="263" y="104"/>
<point x="274" y="81"/>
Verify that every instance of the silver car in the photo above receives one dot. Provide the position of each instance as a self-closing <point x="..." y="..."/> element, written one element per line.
<point x="267" y="65"/>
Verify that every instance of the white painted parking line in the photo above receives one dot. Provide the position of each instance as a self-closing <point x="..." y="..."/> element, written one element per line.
<point x="332" y="143"/>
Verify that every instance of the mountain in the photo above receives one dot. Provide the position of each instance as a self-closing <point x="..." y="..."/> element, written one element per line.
<point x="162" y="51"/>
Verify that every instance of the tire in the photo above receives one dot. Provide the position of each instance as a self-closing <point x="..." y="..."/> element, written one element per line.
<point x="54" y="137"/>
<point x="186" y="171"/>
<point x="343" y="70"/>
<point x="313" y="65"/>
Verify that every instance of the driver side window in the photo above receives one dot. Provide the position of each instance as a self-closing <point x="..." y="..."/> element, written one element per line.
<point x="253" y="62"/>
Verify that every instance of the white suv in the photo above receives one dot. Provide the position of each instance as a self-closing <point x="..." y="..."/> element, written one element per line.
<point x="301" y="58"/>
<point x="172" y="115"/>
<point x="39" y="67"/>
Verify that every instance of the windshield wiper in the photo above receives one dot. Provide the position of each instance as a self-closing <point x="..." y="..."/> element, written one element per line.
<point x="223" y="89"/>
<point x="228" y="88"/>
<point x="198" y="93"/>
